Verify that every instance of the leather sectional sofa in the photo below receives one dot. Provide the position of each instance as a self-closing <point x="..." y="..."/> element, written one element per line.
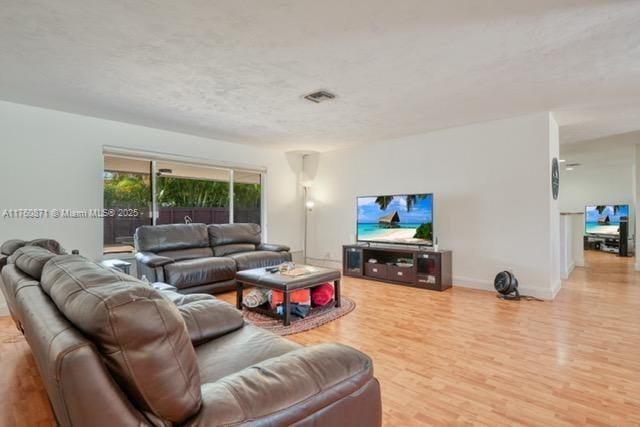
<point x="113" y="350"/>
<point x="197" y="258"/>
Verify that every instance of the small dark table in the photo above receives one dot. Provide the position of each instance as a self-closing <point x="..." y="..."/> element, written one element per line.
<point x="261" y="278"/>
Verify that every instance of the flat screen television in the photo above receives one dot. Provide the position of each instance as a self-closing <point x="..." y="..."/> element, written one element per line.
<point x="399" y="219"/>
<point x="604" y="219"/>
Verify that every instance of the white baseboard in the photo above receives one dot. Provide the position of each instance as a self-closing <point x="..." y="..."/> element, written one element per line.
<point x="566" y="273"/>
<point x="460" y="281"/>
<point x="324" y="262"/>
<point x="487" y="285"/>
<point x="579" y="262"/>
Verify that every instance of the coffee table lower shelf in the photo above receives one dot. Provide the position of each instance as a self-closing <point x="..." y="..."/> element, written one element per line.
<point x="266" y="310"/>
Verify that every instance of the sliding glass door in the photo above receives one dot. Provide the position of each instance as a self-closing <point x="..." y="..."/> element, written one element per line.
<point x="188" y="193"/>
<point x="167" y="192"/>
<point x="127" y="191"/>
<point x="247" y="196"/>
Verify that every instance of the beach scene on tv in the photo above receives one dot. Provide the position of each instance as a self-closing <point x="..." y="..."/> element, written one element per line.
<point x="406" y="219"/>
<point x="604" y="219"/>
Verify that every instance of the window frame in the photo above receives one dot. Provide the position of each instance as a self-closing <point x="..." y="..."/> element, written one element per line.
<point x="153" y="158"/>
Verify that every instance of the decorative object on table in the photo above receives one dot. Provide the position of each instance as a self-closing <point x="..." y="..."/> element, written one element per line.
<point x="298" y="271"/>
<point x="256" y="297"/>
<point x="286" y="266"/>
<point x="322" y="295"/>
<point x="555" y="178"/>
<point x="118" y="264"/>
<point x="435" y="244"/>
<point x="316" y="318"/>
<point x="404" y="264"/>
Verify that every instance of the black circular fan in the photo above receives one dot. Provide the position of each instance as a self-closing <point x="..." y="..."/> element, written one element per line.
<point x="507" y="286"/>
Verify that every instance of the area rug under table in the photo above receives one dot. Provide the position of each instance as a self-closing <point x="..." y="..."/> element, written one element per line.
<point x="318" y="318"/>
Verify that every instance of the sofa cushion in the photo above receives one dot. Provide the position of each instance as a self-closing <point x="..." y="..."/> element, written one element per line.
<point x="193" y="272"/>
<point x="10" y="246"/>
<point x="139" y="333"/>
<point x="170" y="237"/>
<point x="224" y="250"/>
<point x="290" y="389"/>
<point x="31" y="260"/>
<point x="239" y="349"/>
<point x="206" y="317"/>
<point x="226" y="234"/>
<point x="49" y="244"/>
<point x="191" y="253"/>
<point x="259" y="259"/>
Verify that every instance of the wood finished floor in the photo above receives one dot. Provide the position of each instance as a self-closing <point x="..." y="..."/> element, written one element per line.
<point x="460" y="357"/>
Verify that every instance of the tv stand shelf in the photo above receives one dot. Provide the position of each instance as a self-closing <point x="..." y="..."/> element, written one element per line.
<point x="411" y="266"/>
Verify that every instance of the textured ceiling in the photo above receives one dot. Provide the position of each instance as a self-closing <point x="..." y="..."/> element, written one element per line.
<point x="236" y="70"/>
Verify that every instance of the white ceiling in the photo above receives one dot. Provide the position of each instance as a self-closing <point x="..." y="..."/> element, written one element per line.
<point x="236" y="69"/>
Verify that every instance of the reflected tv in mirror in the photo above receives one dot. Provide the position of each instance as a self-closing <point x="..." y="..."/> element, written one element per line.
<point x="400" y="219"/>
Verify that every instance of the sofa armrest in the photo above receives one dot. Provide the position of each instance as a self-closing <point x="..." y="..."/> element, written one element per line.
<point x="206" y="317"/>
<point x="153" y="260"/>
<point x="272" y="247"/>
<point x="295" y="386"/>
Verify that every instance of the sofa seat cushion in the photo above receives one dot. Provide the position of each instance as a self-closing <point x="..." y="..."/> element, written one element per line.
<point x="239" y="349"/>
<point x="194" y="272"/>
<point x="259" y="259"/>
<point x="206" y="317"/>
<point x="293" y="388"/>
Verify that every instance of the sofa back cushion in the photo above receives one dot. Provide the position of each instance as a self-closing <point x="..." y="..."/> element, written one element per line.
<point x="140" y="335"/>
<point x="10" y="246"/>
<point x="31" y="260"/>
<point x="170" y="237"/>
<point x="192" y="253"/>
<point x="227" y="234"/>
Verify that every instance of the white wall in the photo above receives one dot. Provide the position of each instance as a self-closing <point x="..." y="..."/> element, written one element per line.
<point x="597" y="185"/>
<point x="492" y="197"/>
<point x="51" y="159"/>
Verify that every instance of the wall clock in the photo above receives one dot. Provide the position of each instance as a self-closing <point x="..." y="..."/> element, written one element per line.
<point x="555" y="178"/>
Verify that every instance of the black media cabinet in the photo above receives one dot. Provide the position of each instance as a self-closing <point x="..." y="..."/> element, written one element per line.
<point x="423" y="268"/>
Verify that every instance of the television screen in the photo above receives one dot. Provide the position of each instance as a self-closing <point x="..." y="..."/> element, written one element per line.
<point x="406" y="219"/>
<point x="604" y="219"/>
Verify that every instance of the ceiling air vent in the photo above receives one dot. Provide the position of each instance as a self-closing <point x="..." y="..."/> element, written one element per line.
<point x="319" y="96"/>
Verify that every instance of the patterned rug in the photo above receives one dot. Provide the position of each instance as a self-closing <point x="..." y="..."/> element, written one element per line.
<point x="312" y="321"/>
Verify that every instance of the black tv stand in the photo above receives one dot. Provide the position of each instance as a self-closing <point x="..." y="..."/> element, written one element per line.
<point x="409" y="266"/>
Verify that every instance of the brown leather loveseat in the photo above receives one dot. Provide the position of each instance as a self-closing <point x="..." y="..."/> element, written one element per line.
<point x="113" y="350"/>
<point x="198" y="258"/>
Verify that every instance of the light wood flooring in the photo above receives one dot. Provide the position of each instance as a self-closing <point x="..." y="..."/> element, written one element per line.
<point x="461" y="357"/>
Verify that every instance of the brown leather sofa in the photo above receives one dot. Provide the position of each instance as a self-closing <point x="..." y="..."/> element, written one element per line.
<point x="113" y="350"/>
<point x="197" y="258"/>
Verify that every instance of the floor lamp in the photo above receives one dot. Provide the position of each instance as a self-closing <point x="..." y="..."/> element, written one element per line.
<point x="308" y="206"/>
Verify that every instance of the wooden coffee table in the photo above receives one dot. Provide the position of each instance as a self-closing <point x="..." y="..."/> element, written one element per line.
<point x="261" y="278"/>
